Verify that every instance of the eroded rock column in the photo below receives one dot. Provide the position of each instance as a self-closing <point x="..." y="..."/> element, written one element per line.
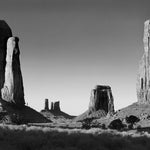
<point x="13" y="90"/>
<point x="101" y="99"/>
<point x="143" y="78"/>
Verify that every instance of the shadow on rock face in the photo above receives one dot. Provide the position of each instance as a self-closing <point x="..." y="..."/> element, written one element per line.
<point x="10" y="113"/>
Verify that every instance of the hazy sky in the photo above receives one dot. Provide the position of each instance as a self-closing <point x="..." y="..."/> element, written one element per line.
<point x="69" y="46"/>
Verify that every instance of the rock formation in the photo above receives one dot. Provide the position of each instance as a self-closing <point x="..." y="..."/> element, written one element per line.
<point x="52" y="105"/>
<point x="5" y="33"/>
<point x="143" y="79"/>
<point x="12" y="103"/>
<point x="13" y="90"/>
<point x="101" y="104"/>
<point x="101" y="99"/>
<point x="11" y="83"/>
<point x="55" y="112"/>
<point x="46" y="104"/>
<point x="56" y="106"/>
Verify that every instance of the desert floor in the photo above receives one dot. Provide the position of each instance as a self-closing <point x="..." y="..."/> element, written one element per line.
<point x="29" y="137"/>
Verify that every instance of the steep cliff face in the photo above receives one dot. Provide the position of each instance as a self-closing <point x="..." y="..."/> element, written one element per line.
<point x="46" y="105"/>
<point x="11" y="82"/>
<point x="143" y="78"/>
<point x="13" y="90"/>
<point x="101" y="99"/>
<point x="56" y="106"/>
<point x="12" y="103"/>
<point x="5" y="33"/>
<point x="101" y="103"/>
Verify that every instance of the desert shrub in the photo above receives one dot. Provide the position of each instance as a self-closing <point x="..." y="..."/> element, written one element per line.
<point x="38" y="138"/>
<point x="86" y="123"/>
<point x="103" y="126"/>
<point x="139" y="128"/>
<point x="116" y="124"/>
<point x="148" y="117"/>
<point x="132" y="119"/>
<point x="130" y="126"/>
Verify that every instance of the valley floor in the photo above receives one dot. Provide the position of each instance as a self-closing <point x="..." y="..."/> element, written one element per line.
<point x="23" y="137"/>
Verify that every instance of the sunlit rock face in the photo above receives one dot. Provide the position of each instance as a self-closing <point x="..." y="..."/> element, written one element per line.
<point x="11" y="83"/>
<point x="5" y="33"/>
<point x="143" y="78"/>
<point x="101" y="99"/>
<point x="13" y="90"/>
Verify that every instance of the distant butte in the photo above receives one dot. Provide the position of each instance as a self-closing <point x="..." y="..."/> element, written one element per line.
<point x="101" y="103"/>
<point x="55" y="110"/>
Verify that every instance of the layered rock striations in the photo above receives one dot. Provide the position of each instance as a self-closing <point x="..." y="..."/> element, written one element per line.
<point x="143" y="79"/>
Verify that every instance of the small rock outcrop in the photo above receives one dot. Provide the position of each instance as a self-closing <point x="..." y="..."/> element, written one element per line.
<point x="101" y="99"/>
<point x="143" y="78"/>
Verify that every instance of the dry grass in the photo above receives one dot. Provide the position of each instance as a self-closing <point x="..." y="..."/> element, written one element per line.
<point x="36" y="138"/>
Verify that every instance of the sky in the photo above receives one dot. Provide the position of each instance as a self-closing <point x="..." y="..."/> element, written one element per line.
<point x="69" y="46"/>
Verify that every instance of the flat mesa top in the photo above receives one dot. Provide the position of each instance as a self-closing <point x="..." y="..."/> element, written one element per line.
<point x="101" y="87"/>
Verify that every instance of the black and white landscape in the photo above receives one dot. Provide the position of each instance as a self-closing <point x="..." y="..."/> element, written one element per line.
<point x="74" y="74"/>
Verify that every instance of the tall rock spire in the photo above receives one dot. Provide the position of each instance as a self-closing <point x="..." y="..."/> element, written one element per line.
<point x="11" y="82"/>
<point x="5" y="33"/>
<point x="13" y="90"/>
<point x="143" y="79"/>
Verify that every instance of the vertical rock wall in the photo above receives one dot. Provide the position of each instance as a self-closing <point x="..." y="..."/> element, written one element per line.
<point x="143" y="78"/>
<point x="56" y="106"/>
<point x="101" y="99"/>
<point x="46" y="104"/>
<point x="5" y="33"/>
<point x="11" y="82"/>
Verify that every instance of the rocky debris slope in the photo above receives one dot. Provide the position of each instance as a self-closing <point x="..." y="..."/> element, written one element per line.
<point x="101" y="103"/>
<point x="136" y="110"/>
